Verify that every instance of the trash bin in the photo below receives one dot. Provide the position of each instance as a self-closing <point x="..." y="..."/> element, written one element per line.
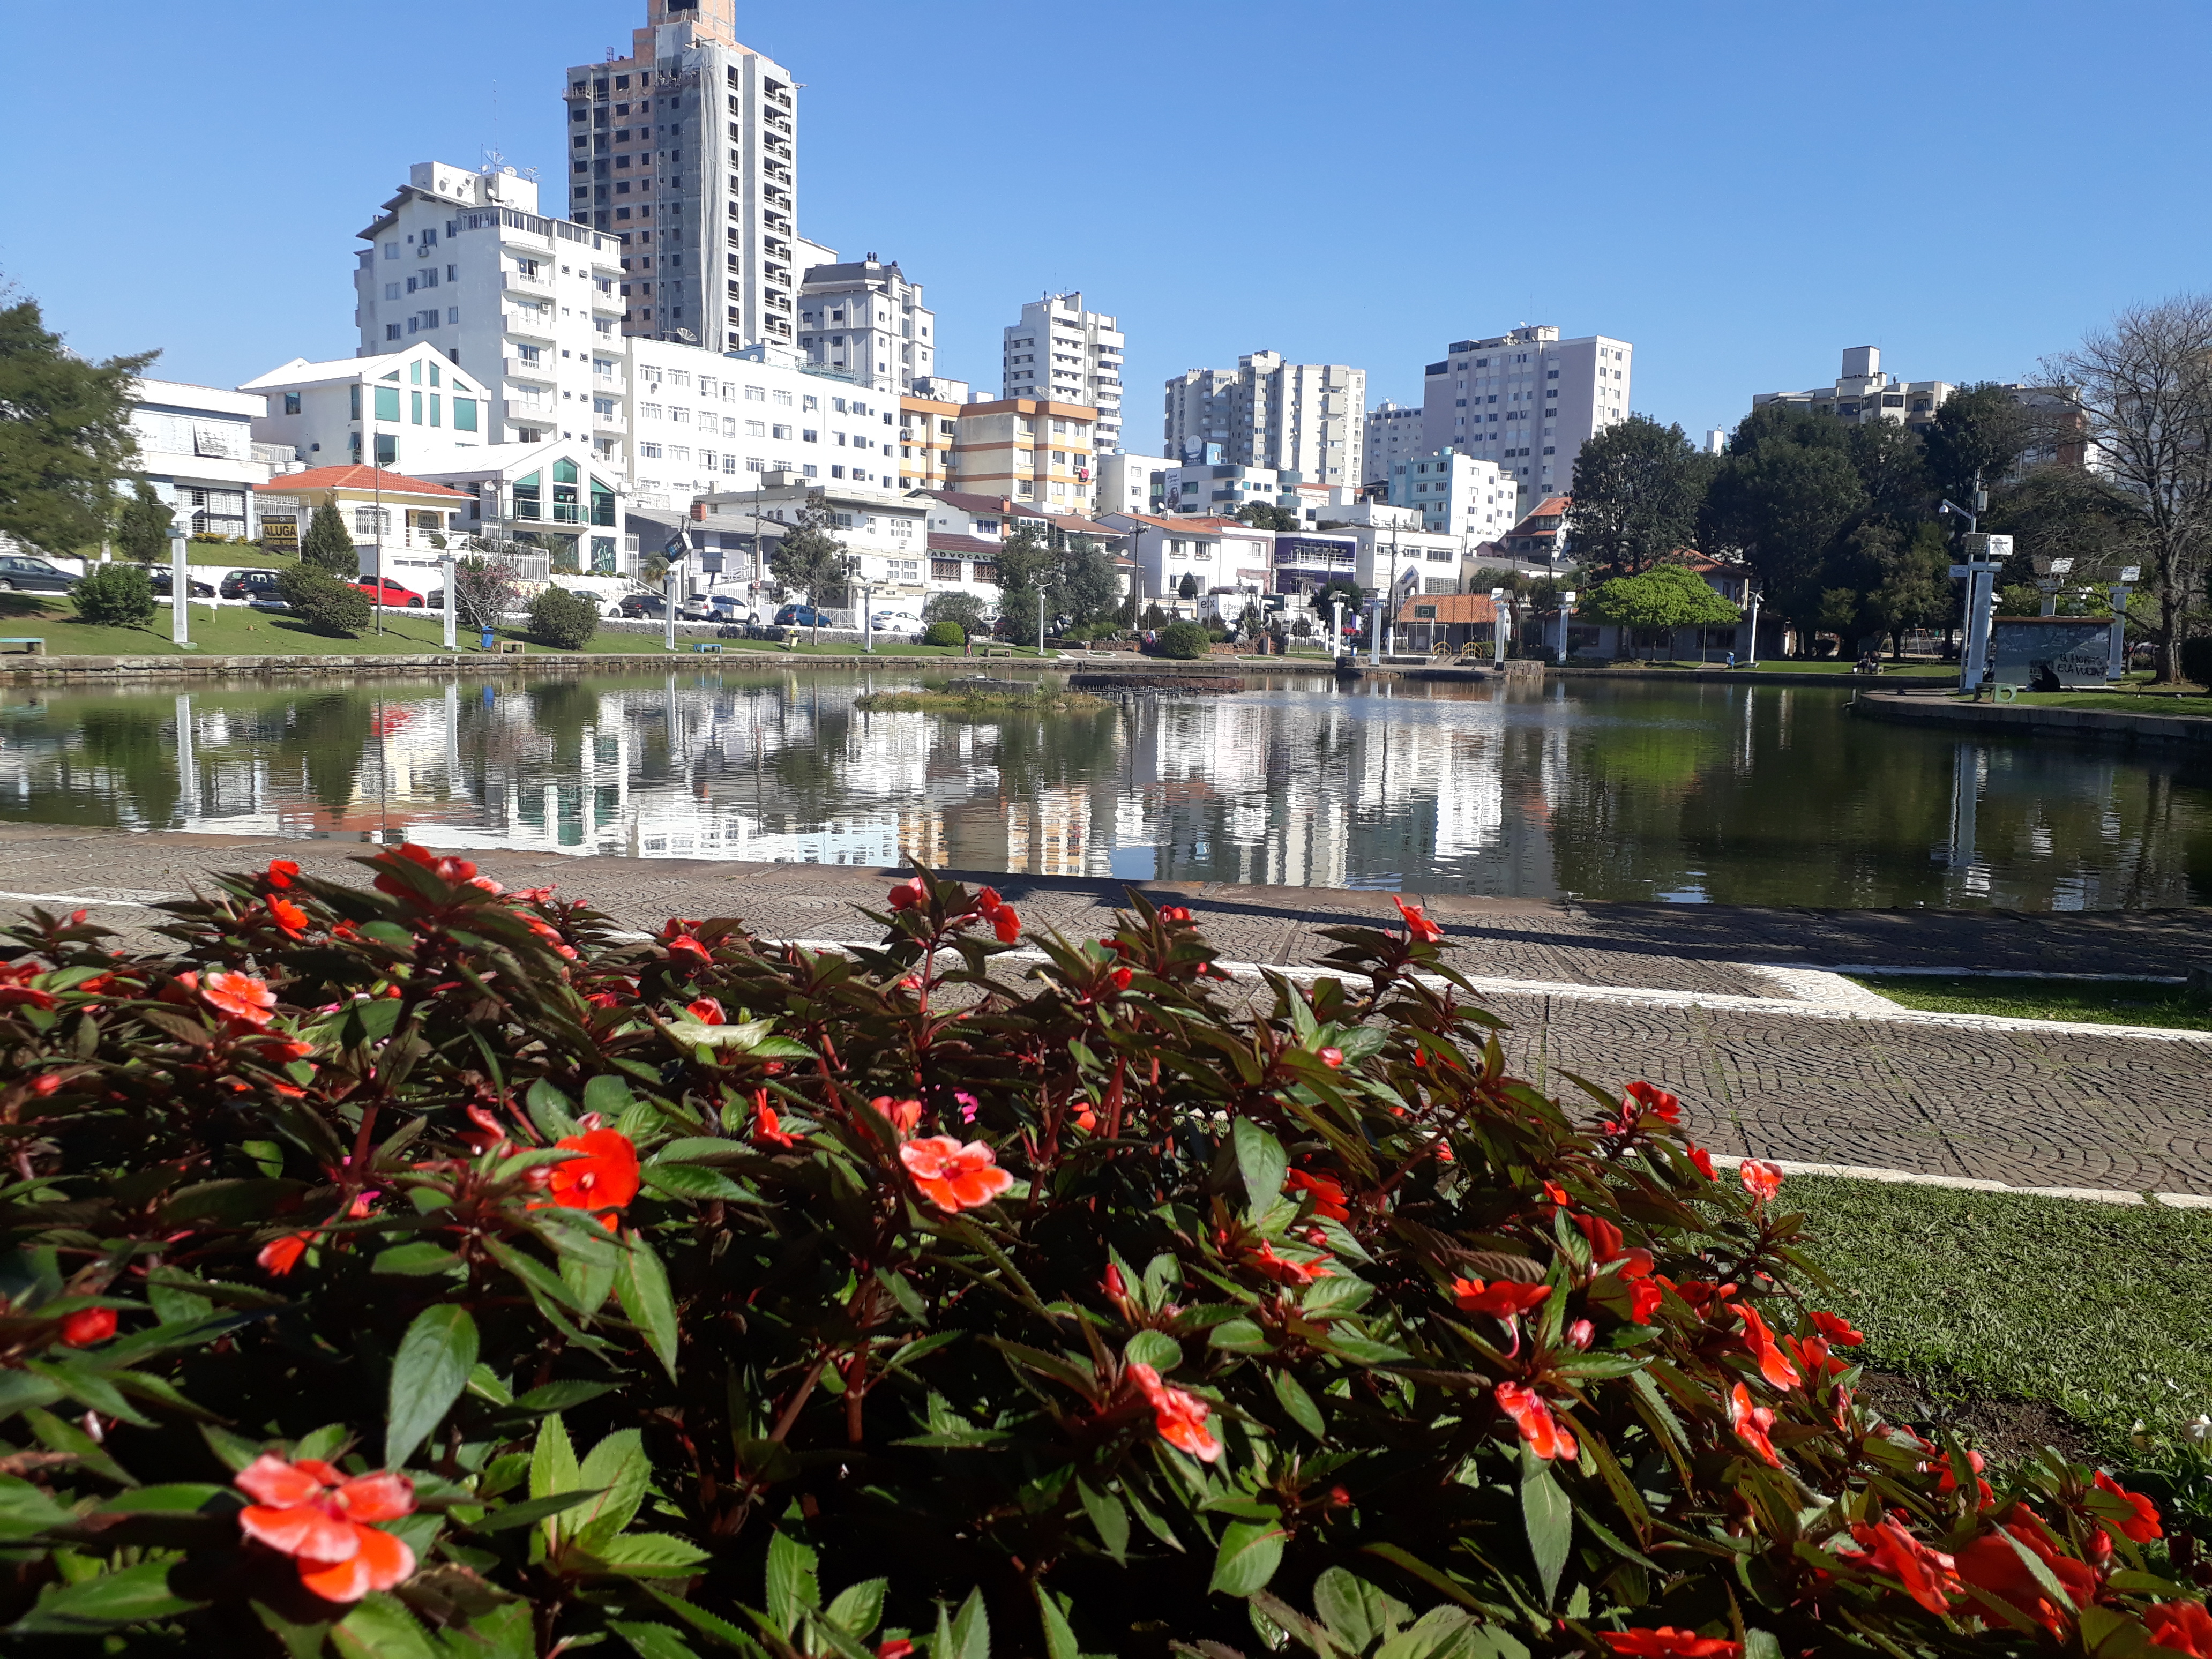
<point x="488" y="641"/>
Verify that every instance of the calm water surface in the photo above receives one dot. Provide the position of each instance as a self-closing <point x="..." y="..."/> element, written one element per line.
<point x="1727" y="794"/>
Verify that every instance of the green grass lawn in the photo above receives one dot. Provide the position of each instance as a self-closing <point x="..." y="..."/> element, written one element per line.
<point x="2096" y="1308"/>
<point x="2188" y="701"/>
<point x="2103" y="1002"/>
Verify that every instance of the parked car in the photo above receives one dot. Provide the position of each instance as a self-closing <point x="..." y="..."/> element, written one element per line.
<point x="248" y="585"/>
<point x="729" y="608"/>
<point x="637" y="605"/>
<point x="22" y="574"/>
<point x="393" y="595"/>
<point x="894" y="621"/>
<point x="200" y="590"/>
<point x="804" y="615"/>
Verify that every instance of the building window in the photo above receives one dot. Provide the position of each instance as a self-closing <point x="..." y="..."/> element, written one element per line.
<point x="387" y="402"/>
<point x="372" y="520"/>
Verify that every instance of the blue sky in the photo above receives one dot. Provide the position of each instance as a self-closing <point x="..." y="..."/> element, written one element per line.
<point x="1741" y="190"/>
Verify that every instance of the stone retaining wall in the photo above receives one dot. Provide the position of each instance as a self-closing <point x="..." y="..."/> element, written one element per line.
<point x="2099" y="725"/>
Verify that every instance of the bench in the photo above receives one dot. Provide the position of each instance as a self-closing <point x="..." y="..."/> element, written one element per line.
<point x="704" y="645"/>
<point x="510" y="648"/>
<point x="24" y="645"/>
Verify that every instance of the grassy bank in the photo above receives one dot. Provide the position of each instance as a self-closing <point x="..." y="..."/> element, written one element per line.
<point x="2189" y="701"/>
<point x="2097" y="1309"/>
<point x="2103" y="1002"/>
<point x="977" y="704"/>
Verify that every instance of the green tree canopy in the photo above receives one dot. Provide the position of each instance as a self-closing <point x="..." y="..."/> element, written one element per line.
<point x="1980" y="430"/>
<point x="1636" y="490"/>
<point x="142" y="524"/>
<point x="810" y="560"/>
<point x="1028" y="567"/>
<point x="1781" y="503"/>
<point x="64" y="433"/>
<point x="1667" y="596"/>
<point x="327" y="546"/>
<point x="1265" y="515"/>
<point x="1090" y="586"/>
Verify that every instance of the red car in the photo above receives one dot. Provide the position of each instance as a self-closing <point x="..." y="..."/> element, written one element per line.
<point x="393" y="594"/>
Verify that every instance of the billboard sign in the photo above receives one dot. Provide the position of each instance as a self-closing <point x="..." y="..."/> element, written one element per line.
<point x="2077" y="650"/>
<point x="280" y="532"/>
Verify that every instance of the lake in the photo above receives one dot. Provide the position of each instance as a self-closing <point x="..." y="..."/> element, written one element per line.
<point x="1728" y="793"/>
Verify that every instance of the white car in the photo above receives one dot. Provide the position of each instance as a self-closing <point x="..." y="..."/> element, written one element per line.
<point x="894" y="621"/>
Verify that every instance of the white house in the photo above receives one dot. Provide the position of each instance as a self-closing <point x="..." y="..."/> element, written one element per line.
<point x="198" y="448"/>
<point x="424" y="414"/>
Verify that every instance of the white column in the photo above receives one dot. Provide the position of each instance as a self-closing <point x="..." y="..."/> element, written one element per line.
<point x="180" y="584"/>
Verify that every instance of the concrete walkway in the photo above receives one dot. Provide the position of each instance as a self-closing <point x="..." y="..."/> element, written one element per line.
<point x="1737" y="1010"/>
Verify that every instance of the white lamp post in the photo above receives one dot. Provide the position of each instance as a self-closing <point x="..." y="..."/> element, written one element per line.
<point x="1566" y="613"/>
<point x="180" y="586"/>
<point x="446" y="569"/>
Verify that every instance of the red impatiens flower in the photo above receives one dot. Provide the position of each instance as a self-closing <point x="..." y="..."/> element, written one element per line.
<point x="602" y="1177"/>
<point x="2140" y="1528"/>
<point x="87" y="1326"/>
<point x="1122" y="979"/>
<point x="897" y="1648"/>
<point x="290" y="918"/>
<point x="1006" y="923"/>
<point x="1751" y="1424"/>
<point x="1644" y="1297"/>
<point x="1773" y="1364"/>
<point x="905" y="1115"/>
<point x="1992" y="1565"/>
<point x="313" y="1513"/>
<point x="1929" y="1576"/>
<point x="1668" y="1642"/>
<point x="908" y="894"/>
<point x="241" y="996"/>
<point x="1655" y="1102"/>
<point x="1546" y="1436"/>
<point x="1180" y="1416"/>
<point x="1174" y="912"/>
<point x="1837" y="1329"/>
<point x="676" y="934"/>
<point x="1761" y="1180"/>
<point x="16" y="989"/>
<point x="282" y="873"/>
<point x="766" y="1126"/>
<point x="953" y="1177"/>
<point x="1282" y="1268"/>
<point x="1417" y="924"/>
<point x="2180" y="1627"/>
<point x="281" y="1256"/>
<point x="1607" y="1247"/>
<point x="1702" y="1162"/>
<point x="1332" y="1058"/>
<point x="707" y="1011"/>
<point x="459" y="872"/>
<point x="1506" y="1299"/>
<point x="1328" y="1199"/>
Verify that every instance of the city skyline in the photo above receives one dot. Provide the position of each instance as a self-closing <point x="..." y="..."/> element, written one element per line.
<point x="1734" y="266"/>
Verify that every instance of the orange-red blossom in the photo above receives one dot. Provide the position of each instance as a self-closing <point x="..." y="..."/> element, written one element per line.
<point x="602" y="1177"/>
<point x="1180" y="1417"/>
<point x="1546" y="1436"/>
<point x="313" y="1513"/>
<point x="953" y="1177"/>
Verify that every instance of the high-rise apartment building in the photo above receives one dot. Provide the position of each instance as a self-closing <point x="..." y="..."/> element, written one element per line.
<point x="686" y="151"/>
<point x="1393" y="435"/>
<point x="863" y="320"/>
<point x="1457" y="496"/>
<point x="1306" y="419"/>
<point x="1033" y="452"/>
<point x="1060" y="352"/>
<point x="1528" y="400"/>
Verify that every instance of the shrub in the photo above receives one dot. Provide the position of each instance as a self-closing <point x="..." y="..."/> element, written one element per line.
<point x="561" y="619"/>
<point x="957" y="607"/>
<point x="115" y="596"/>
<point x="581" y="1291"/>
<point x="1184" y="640"/>
<point x="327" y="547"/>
<point x="322" y="601"/>
<point x="2196" y="660"/>
<point x="945" y="631"/>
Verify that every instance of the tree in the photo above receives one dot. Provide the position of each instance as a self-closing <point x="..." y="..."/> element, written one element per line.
<point x="2138" y="393"/>
<point x="962" y="609"/>
<point x="1187" y="587"/>
<point x="328" y="547"/>
<point x="1910" y="584"/>
<point x="64" y="433"/>
<point x="322" y="601"/>
<point x="1090" y="586"/>
<point x="810" y="560"/>
<point x="1665" y="597"/>
<point x="1028" y="568"/>
<point x="1981" y="431"/>
<point x="486" y="586"/>
<point x="562" y="619"/>
<point x="1636" y="490"/>
<point x="1264" y="515"/>
<point x="1781" y="504"/>
<point x="114" y="596"/>
<point x="142" y="524"/>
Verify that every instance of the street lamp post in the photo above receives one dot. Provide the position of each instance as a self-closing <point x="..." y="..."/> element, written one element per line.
<point x="1985" y="554"/>
<point x="446" y="569"/>
<point x="1566" y="613"/>
<point x="1751" y="655"/>
<point x="180" y="586"/>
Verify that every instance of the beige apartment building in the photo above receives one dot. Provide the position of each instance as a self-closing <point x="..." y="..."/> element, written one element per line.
<point x="1030" y="451"/>
<point x="928" y="428"/>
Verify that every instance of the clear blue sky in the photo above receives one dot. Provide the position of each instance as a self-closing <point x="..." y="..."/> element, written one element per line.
<point x="1741" y="190"/>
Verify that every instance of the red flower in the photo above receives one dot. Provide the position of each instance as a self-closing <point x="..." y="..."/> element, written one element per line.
<point x="898" y="1647"/>
<point x="953" y="1177"/>
<point x="1656" y="1101"/>
<point x="1668" y="1642"/>
<point x="1751" y="1424"/>
<point x="603" y="1176"/>
<point x="1992" y="1565"/>
<point x="1121" y="978"/>
<point x="1282" y="1268"/>
<point x="459" y="872"/>
<point x="2180" y="1627"/>
<point x="1116" y="1286"/>
<point x="281" y="1256"/>
<point x="766" y="1126"/>
<point x="1506" y="1299"/>
<point x="1418" y="926"/>
<point x="1006" y="923"/>
<point x="1173" y="912"/>
<point x="1555" y="1194"/>
<point x="908" y="894"/>
<point x="16" y="989"/>
<point x="1546" y="1435"/>
<point x="282" y="872"/>
<point x="1606" y="1248"/>
<point x="1762" y="1181"/>
<point x="1332" y="1058"/>
<point x="1180" y="1416"/>
<point x="1644" y="1297"/>
<point x="1773" y="1364"/>
<point x="1837" y="1329"/>
<point x="1581" y="1334"/>
<point x="290" y="918"/>
<point x="705" y="1010"/>
<point x="2140" y="1527"/>
<point x="89" y="1325"/>
<point x="46" y="1083"/>
<point x="1929" y="1576"/>
<point x="1702" y="1161"/>
<point x="241" y="996"/>
<point x="312" y="1512"/>
<point x="1328" y="1199"/>
<point x="904" y="1115"/>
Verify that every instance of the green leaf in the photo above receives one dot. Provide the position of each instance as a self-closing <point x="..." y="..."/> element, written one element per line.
<point x="1059" y="1640"/>
<point x="653" y="1641"/>
<point x="642" y="1285"/>
<point x="970" y="1634"/>
<point x="548" y="1111"/>
<point x="26" y="1510"/>
<point x="552" y="1460"/>
<point x="858" y="1607"/>
<point x="650" y="1554"/>
<point x="1154" y="1348"/>
<point x="1364" y="1351"/>
<point x="1291" y="1395"/>
<point x="1107" y="1515"/>
<point x="418" y="1259"/>
<point x="1763" y="1644"/>
<point x="534" y="1509"/>
<point x="559" y="1396"/>
<point x="428" y="1375"/>
<point x="1239" y="1336"/>
<point x="618" y="1468"/>
<point x="708" y="1624"/>
<point x="183" y="1498"/>
<point x="689" y="1181"/>
<point x="128" y="1597"/>
<point x="1250" y="1554"/>
<point x="175" y="1296"/>
<point x="56" y="1434"/>
<point x="1261" y="1162"/>
<point x="382" y="1628"/>
<point x="1549" y="1519"/>
<point x="793" y="1588"/>
<point x="610" y="1097"/>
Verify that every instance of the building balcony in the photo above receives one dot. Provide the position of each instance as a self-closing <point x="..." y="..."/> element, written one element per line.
<point x="615" y="421"/>
<point x="521" y="369"/>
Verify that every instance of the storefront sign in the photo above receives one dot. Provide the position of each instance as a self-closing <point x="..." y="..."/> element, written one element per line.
<point x="2077" y="649"/>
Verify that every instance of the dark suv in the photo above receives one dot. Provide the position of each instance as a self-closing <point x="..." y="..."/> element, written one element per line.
<point x="637" y="605"/>
<point x="249" y="585"/>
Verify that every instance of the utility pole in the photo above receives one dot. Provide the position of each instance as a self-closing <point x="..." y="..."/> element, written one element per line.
<point x="376" y="484"/>
<point x="1040" y="622"/>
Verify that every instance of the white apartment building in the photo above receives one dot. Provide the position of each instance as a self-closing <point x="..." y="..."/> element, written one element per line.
<point x="1393" y="435"/>
<point x="1863" y="393"/>
<point x="687" y="150"/>
<point x="1132" y="483"/>
<point x="198" y="448"/>
<point x="1528" y="400"/>
<point x="1389" y="543"/>
<point x="321" y="412"/>
<point x="1457" y="495"/>
<point x="1307" y="418"/>
<point x="1222" y="557"/>
<point x="865" y="320"/>
<point x="1223" y="490"/>
<point x="885" y="530"/>
<point x="1064" y="354"/>
<point x="526" y="306"/>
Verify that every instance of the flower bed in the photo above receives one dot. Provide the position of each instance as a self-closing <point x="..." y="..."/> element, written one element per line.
<point x="429" y="1270"/>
